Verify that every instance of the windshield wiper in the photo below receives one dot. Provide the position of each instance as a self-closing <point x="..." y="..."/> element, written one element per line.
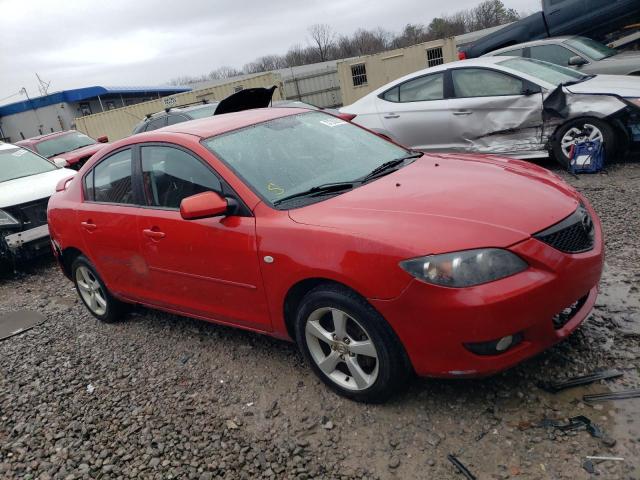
<point x="318" y="190"/>
<point x="388" y="167"/>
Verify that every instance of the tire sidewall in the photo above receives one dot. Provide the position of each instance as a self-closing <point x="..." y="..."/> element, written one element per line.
<point x="111" y="312"/>
<point x="370" y="320"/>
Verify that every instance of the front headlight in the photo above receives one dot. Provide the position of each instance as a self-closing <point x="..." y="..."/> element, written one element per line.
<point x="7" y="221"/>
<point x="466" y="268"/>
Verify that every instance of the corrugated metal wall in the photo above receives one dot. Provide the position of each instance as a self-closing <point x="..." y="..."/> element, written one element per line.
<point x="385" y="67"/>
<point x="320" y="88"/>
<point x="119" y="123"/>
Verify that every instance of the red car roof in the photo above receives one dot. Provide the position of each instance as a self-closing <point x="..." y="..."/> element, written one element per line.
<point x="218" y="124"/>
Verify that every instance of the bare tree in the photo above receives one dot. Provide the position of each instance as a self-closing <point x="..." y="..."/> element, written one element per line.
<point x="492" y="13"/>
<point x="322" y="39"/>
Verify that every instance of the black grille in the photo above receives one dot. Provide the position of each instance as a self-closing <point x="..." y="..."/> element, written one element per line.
<point x="574" y="234"/>
<point x="32" y="214"/>
<point x="561" y="319"/>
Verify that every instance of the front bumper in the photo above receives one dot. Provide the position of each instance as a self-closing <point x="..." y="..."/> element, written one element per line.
<point x="434" y="323"/>
<point x="17" y="240"/>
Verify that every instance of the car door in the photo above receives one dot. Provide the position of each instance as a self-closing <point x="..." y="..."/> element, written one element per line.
<point x="108" y="222"/>
<point x="416" y="113"/>
<point x="494" y="112"/>
<point x="206" y="267"/>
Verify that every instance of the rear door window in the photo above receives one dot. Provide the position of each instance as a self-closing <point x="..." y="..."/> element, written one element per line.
<point x="518" y="52"/>
<point x="480" y="82"/>
<point x="112" y="179"/>
<point x="170" y="174"/>
<point x="429" y="87"/>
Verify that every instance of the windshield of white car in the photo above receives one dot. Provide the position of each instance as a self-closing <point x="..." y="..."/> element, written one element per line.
<point x="288" y="155"/>
<point x="591" y="48"/>
<point x="63" y="143"/>
<point x="544" y="71"/>
<point x="20" y="162"/>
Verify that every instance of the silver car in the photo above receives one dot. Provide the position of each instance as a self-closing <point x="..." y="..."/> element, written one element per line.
<point x="580" y="53"/>
<point x="504" y="105"/>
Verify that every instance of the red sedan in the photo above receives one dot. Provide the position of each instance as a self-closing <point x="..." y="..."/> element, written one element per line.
<point x="376" y="260"/>
<point x="66" y="149"/>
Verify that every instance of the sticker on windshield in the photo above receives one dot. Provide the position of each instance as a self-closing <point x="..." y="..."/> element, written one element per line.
<point x="333" y="122"/>
<point x="19" y="153"/>
<point x="272" y="187"/>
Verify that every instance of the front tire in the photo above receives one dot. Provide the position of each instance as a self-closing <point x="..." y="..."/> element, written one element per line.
<point x="349" y="345"/>
<point x="93" y="292"/>
<point x="580" y="130"/>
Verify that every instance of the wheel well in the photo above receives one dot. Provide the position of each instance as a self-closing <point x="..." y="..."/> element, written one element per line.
<point x="295" y="295"/>
<point x="68" y="255"/>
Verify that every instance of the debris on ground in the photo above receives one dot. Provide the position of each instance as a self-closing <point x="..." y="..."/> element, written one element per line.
<point x="602" y="397"/>
<point x="554" y="387"/>
<point x="20" y="321"/>
<point x="461" y="468"/>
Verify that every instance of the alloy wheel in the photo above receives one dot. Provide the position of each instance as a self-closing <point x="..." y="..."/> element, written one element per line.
<point x="91" y="290"/>
<point x="341" y="348"/>
<point x="588" y="133"/>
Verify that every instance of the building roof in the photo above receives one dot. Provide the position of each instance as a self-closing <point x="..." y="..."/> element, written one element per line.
<point x="79" y="94"/>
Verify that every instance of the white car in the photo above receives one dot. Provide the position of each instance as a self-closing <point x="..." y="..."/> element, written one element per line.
<point x="505" y="105"/>
<point x="27" y="180"/>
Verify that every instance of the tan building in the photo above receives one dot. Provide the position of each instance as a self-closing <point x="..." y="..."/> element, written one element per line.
<point x="119" y="123"/>
<point x="361" y="75"/>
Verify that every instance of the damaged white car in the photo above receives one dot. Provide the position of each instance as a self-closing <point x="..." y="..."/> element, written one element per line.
<point x="504" y="105"/>
<point x="27" y="180"/>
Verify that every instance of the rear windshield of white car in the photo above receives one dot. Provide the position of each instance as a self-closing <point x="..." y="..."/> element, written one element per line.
<point x="63" y="144"/>
<point x="20" y="162"/>
<point x="202" y="112"/>
<point x="546" y="72"/>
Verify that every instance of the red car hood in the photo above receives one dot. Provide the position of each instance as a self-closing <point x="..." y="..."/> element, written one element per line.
<point x="444" y="203"/>
<point x="76" y="155"/>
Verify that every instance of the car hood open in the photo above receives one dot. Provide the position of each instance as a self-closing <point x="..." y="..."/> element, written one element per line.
<point x="33" y="187"/>
<point x="246" y="99"/>
<point x="444" y="203"/>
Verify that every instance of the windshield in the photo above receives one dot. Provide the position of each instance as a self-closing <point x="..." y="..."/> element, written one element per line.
<point x="291" y="154"/>
<point x="63" y="143"/>
<point x="16" y="162"/>
<point x="544" y="71"/>
<point x="591" y="48"/>
<point x="201" y="112"/>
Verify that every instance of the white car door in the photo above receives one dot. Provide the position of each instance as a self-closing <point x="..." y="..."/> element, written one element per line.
<point x="494" y="112"/>
<point x="416" y="114"/>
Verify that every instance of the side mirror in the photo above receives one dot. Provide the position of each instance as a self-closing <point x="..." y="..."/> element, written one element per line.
<point x="577" y="61"/>
<point x="203" y="205"/>
<point x="531" y="89"/>
<point x="60" y="162"/>
<point x="102" y="139"/>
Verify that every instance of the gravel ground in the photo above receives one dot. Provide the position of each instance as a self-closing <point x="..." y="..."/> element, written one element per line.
<point x="159" y="396"/>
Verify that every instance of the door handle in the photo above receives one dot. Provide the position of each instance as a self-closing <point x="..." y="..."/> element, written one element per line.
<point x="89" y="225"/>
<point x="153" y="233"/>
<point x="392" y="115"/>
<point x="462" y="112"/>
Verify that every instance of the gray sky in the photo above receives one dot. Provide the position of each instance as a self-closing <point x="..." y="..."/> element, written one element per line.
<point x="78" y="43"/>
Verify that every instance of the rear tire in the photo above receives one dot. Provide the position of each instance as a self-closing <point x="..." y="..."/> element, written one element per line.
<point x="94" y="293"/>
<point x="583" y="129"/>
<point x="349" y="345"/>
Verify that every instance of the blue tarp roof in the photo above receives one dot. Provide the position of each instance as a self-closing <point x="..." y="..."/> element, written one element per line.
<point x="80" y="94"/>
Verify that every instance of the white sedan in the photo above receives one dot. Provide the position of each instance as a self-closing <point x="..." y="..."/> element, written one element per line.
<point x="504" y="105"/>
<point x="27" y="180"/>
